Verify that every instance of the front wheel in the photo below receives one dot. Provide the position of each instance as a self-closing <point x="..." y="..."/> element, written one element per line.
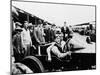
<point x="34" y="64"/>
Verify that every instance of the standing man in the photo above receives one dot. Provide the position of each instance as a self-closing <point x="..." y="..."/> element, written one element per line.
<point x="26" y="39"/>
<point x="67" y="32"/>
<point x="39" y="36"/>
<point x="39" y="33"/>
<point x="52" y="33"/>
<point x="47" y="33"/>
<point x="17" y="45"/>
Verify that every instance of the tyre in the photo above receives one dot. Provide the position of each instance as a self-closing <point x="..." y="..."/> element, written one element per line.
<point x="34" y="64"/>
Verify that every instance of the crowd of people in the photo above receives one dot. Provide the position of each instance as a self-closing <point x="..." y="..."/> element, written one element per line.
<point x="27" y="35"/>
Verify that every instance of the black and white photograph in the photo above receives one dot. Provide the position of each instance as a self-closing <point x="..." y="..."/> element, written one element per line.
<point x="52" y="37"/>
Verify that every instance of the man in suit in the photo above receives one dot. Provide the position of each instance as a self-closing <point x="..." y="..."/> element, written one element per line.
<point x="39" y="33"/>
<point x="47" y="33"/>
<point x="67" y="32"/>
<point x="17" y="45"/>
<point x="52" y="33"/>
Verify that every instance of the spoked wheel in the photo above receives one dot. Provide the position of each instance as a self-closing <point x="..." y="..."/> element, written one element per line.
<point x="34" y="64"/>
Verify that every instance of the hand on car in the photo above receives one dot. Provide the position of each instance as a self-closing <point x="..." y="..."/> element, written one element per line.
<point x="49" y="59"/>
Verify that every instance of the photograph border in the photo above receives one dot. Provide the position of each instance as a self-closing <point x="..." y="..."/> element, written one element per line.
<point x="50" y="3"/>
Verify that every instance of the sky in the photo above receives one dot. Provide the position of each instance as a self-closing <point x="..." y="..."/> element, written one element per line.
<point x="58" y="13"/>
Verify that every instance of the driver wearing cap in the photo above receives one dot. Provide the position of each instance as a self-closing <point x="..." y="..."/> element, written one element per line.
<point x="57" y="46"/>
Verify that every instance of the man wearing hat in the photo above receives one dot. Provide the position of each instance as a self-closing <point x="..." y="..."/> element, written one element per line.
<point x="39" y="33"/>
<point x="17" y="25"/>
<point x="17" y="45"/>
<point x="67" y="32"/>
<point x="57" y="47"/>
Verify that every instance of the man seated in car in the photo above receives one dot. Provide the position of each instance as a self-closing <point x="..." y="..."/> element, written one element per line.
<point x="57" y="47"/>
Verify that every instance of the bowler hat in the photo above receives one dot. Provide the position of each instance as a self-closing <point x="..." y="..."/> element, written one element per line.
<point x="18" y="24"/>
<point x="39" y="22"/>
<point x="18" y="29"/>
<point x="30" y="24"/>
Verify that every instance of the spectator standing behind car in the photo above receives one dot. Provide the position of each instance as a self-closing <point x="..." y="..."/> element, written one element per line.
<point x="31" y="28"/>
<point x="17" y="45"/>
<point x="26" y="39"/>
<point x="39" y="33"/>
<point x="52" y="33"/>
<point x="47" y="33"/>
<point x="67" y="32"/>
